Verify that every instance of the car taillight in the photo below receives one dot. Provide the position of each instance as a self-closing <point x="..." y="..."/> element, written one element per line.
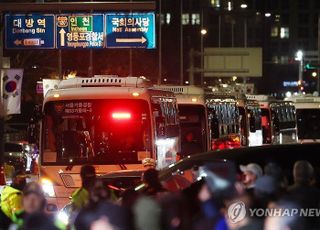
<point x="121" y="116"/>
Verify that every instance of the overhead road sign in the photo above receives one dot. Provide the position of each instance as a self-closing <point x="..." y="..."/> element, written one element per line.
<point x="130" y="30"/>
<point x="80" y="31"/>
<point x="29" y="31"/>
<point x="77" y="6"/>
<point x="228" y="62"/>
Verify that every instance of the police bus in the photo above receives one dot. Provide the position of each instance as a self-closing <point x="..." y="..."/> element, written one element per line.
<point x="234" y="120"/>
<point x="278" y="120"/>
<point x="193" y="118"/>
<point x="110" y="122"/>
<point x="307" y="116"/>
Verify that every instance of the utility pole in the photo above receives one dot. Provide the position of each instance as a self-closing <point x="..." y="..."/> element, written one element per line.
<point x="191" y="65"/>
<point x="201" y="49"/>
<point x="130" y="56"/>
<point x="160" y="44"/>
<point x="60" y="58"/>
<point x="181" y="43"/>
<point x="2" y="177"/>
<point x="90" y="69"/>
<point x="318" y="70"/>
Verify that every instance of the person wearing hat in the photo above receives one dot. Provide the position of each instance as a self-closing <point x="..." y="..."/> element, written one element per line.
<point x="33" y="202"/>
<point x="11" y="196"/>
<point x="251" y="173"/>
<point x="148" y="163"/>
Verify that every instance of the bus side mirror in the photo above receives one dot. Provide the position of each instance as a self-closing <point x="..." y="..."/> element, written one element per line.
<point x="252" y="124"/>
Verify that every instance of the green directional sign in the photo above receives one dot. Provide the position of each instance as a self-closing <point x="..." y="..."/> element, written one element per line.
<point x="309" y="66"/>
<point x="79" y="31"/>
<point x="81" y="23"/>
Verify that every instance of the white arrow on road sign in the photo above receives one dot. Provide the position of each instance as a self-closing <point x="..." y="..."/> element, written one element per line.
<point x="17" y="42"/>
<point x="62" y="32"/>
<point x="131" y="40"/>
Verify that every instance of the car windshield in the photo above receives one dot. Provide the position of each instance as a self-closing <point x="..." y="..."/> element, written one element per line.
<point x="308" y="123"/>
<point x="96" y="131"/>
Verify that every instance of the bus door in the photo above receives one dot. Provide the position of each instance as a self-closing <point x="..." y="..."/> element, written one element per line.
<point x="193" y="128"/>
<point x="266" y="125"/>
<point x="223" y="118"/>
<point x="167" y="130"/>
<point x="254" y="126"/>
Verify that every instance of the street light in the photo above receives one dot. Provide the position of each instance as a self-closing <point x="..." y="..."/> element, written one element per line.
<point x="203" y="33"/>
<point x="267" y="15"/>
<point x="243" y="6"/>
<point x="299" y="57"/>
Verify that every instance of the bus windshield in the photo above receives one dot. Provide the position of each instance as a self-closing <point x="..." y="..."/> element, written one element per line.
<point x="96" y="132"/>
<point x="308" y="123"/>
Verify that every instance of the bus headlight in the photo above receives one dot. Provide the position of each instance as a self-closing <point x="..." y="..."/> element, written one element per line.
<point x="47" y="187"/>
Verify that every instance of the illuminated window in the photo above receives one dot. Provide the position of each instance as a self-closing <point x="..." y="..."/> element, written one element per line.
<point x="274" y="31"/>
<point x="284" y="59"/>
<point x="284" y="32"/>
<point x="185" y="19"/>
<point x="168" y="18"/>
<point x="275" y="59"/>
<point x="195" y="19"/>
<point x="162" y="19"/>
<point x="215" y="3"/>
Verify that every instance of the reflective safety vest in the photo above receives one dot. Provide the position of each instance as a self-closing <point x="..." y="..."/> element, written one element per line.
<point x="79" y="198"/>
<point x="11" y="201"/>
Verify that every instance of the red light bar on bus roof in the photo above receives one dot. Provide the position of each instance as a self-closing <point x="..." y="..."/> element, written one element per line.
<point x="121" y="115"/>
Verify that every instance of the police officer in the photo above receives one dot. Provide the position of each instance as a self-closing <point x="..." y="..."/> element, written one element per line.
<point x="80" y="197"/>
<point x="33" y="202"/>
<point x="11" y="197"/>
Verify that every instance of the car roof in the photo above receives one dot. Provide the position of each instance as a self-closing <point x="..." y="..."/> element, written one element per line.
<point x="281" y="154"/>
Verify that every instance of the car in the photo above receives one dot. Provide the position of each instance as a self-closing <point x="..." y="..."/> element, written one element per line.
<point x="182" y="174"/>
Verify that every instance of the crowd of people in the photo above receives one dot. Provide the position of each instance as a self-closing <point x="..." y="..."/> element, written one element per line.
<point x="213" y="202"/>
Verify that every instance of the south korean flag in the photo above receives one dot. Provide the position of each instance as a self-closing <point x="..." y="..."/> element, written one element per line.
<point x="11" y="80"/>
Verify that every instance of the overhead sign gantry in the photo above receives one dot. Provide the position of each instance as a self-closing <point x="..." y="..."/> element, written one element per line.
<point x="77" y="29"/>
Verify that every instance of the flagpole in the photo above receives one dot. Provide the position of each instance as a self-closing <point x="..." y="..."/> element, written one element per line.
<point x="2" y="177"/>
